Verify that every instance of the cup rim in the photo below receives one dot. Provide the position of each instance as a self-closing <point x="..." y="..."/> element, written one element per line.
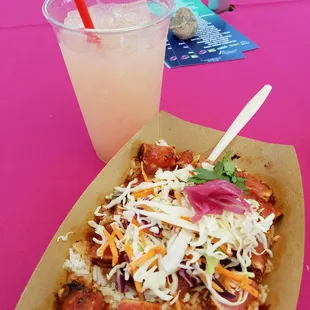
<point x="54" y="22"/>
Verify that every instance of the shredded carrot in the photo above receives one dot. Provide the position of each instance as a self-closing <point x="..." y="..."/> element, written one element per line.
<point x="243" y="281"/>
<point x="143" y="193"/>
<point x="224" y="248"/>
<point x="217" y="288"/>
<point x="114" y="252"/>
<point x="146" y="179"/>
<point x="232" y="275"/>
<point x="159" y="250"/>
<point x="128" y="251"/>
<point x="186" y="218"/>
<point x="141" y="235"/>
<point x="118" y="232"/>
<point x="178" y="197"/>
<point x="138" y="286"/>
<point x="153" y="264"/>
<point x="103" y="248"/>
<point x="227" y="285"/>
<point x="214" y="285"/>
<point x="112" y="246"/>
<point x="248" y="288"/>
<point x="135" y="222"/>
<point x="147" y="208"/>
<point x="178" y="305"/>
<point x="142" y="259"/>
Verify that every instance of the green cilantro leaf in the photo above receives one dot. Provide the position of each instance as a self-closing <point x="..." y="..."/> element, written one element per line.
<point x="240" y="184"/>
<point x="229" y="168"/>
<point x="224" y="177"/>
<point x="227" y="156"/>
<point x="223" y="170"/>
<point x="234" y="179"/>
<point x="196" y="180"/>
<point x="218" y="169"/>
<point x="207" y="174"/>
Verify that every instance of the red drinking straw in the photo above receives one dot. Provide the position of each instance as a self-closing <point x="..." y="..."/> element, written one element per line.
<point x="84" y="13"/>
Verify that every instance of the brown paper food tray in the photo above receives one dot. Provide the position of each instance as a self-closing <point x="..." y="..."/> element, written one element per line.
<point x="277" y="165"/>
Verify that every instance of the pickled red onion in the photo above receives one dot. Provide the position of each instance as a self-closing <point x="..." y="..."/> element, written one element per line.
<point x="214" y="197"/>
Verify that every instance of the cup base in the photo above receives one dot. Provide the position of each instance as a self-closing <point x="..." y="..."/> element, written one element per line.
<point x="103" y="159"/>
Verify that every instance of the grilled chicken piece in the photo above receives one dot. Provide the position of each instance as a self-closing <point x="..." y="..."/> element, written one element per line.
<point x="262" y="193"/>
<point x="74" y="296"/>
<point x="127" y="304"/>
<point x="83" y="300"/>
<point x="267" y="208"/>
<point x="154" y="157"/>
<point x="185" y="158"/>
<point x="255" y="187"/>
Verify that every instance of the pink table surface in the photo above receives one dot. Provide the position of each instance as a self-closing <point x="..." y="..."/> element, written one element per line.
<point x="46" y="159"/>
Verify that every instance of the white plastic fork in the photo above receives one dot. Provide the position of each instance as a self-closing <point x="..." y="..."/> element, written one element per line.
<point x="241" y="120"/>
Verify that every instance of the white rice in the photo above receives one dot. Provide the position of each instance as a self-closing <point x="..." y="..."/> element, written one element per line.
<point x="76" y="264"/>
<point x="111" y="295"/>
<point x="263" y="293"/>
<point x="98" y="277"/>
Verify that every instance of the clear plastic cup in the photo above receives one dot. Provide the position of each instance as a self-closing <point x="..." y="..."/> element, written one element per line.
<point x="115" y="69"/>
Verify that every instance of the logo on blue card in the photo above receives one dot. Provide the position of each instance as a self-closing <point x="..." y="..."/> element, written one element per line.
<point x="184" y="57"/>
<point x="173" y="58"/>
<point x="229" y="52"/>
<point x="202" y="52"/>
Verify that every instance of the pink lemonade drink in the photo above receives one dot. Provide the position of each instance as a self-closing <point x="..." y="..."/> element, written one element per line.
<point x="115" y="69"/>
